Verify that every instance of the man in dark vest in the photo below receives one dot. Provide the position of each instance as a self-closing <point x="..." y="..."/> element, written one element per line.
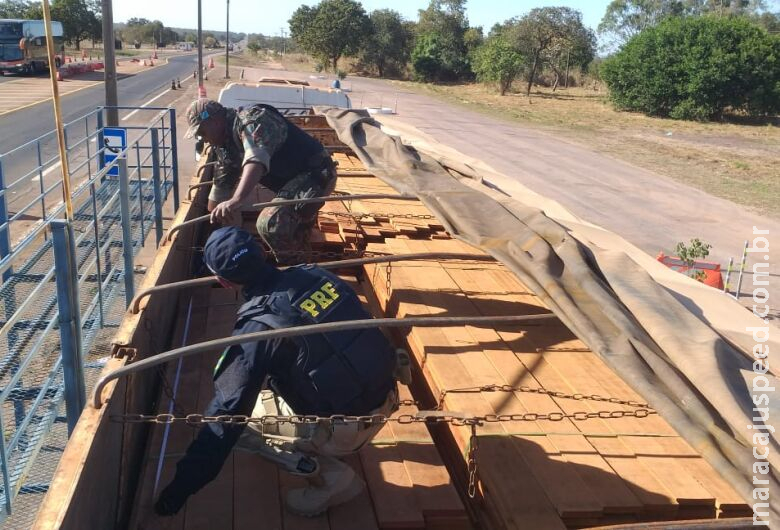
<point x="258" y="145"/>
<point x="345" y="372"/>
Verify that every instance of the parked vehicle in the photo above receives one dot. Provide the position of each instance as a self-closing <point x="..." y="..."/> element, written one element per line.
<point x="23" y="45"/>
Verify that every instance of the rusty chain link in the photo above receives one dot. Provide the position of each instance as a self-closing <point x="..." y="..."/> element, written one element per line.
<point x="381" y="215"/>
<point x="471" y="466"/>
<point x="531" y="390"/>
<point x="388" y="278"/>
<point x="430" y="417"/>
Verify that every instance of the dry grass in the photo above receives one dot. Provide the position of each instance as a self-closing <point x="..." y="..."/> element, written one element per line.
<point x="738" y="162"/>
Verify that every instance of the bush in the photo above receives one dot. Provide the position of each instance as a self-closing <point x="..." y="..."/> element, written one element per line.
<point x="433" y="59"/>
<point x="697" y="68"/>
<point x="496" y="61"/>
<point x="426" y="58"/>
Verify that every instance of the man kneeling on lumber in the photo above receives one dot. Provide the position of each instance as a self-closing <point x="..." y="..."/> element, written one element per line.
<point x="257" y="145"/>
<point x="343" y="372"/>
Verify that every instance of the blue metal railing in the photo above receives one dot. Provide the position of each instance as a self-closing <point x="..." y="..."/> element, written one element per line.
<point x="50" y="315"/>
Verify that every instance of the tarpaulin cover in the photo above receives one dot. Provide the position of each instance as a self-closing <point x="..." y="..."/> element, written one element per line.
<point x="682" y="346"/>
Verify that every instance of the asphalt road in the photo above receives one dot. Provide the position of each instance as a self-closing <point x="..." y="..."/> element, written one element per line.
<point x="29" y="123"/>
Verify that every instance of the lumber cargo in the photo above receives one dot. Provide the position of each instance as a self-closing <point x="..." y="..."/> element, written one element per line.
<point x="560" y="444"/>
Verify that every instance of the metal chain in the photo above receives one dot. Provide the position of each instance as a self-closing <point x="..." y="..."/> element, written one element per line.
<point x="530" y="390"/>
<point x="383" y="215"/>
<point x="471" y="465"/>
<point x="388" y="278"/>
<point x="429" y="417"/>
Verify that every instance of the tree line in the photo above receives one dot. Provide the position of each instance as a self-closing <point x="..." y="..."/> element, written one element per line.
<point x="82" y="20"/>
<point x="689" y="59"/>
<point x="441" y="45"/>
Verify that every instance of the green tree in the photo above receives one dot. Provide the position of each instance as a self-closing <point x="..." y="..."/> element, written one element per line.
<point x="496" y="61"/>
<point x="388" y="43"/>
<point x="546" y="34"/>
<point x="254" y="46"/>
<point x="26" y="9"/>
<point x="330" y="30"/>
<point x="441" y="49"/>
<point x="697" y="68"/>
<point x="79" y="22"/>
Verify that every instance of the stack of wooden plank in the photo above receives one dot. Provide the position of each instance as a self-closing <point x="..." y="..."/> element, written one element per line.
<point x="540" y="474"/>
<point x="408" y="485"/>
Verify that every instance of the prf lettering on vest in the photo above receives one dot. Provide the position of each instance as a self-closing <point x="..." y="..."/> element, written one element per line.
<point x="320" y="299"/>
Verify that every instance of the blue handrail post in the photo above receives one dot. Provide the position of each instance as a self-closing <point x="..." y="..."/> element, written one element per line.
<point x="127" y="236"/>
<point x="5" y="233"/>
<point x="158" y="220"/>
<point x="69" y="313"/>
<point x="174" y="161"/>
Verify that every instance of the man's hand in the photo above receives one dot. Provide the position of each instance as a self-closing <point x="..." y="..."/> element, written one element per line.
<point x="223" y="212"/>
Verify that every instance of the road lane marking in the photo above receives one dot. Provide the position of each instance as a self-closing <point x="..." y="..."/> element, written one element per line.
<point x="146" y="104"/>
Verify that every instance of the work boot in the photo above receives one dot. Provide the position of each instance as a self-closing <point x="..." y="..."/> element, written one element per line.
<point x="337" y="484"/>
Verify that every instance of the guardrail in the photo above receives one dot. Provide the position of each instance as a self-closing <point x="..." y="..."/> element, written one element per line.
<point x="44" y="336"/>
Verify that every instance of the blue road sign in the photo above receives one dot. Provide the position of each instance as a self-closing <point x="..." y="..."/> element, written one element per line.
<point x="115" y="141"/>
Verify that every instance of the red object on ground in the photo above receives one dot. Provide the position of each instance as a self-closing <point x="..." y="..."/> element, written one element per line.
<point x="211" y="62"/>
<point x="59" y="75"/>
<point x="711" y="270"/>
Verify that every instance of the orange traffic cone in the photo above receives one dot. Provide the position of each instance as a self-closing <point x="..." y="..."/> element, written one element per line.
<point x="59" y="75"/>
<point x="211" y="62"/>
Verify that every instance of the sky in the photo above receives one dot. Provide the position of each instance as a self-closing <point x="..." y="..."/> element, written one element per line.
<point x="268" y="18"/>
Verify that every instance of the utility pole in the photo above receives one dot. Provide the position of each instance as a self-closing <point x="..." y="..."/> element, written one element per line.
<point x="112" y="114"/>
<point x="200" y="48"/>
<point x="227" y="43"/>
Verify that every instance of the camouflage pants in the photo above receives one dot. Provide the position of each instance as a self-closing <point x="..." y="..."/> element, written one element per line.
<point x="287" y="229"/>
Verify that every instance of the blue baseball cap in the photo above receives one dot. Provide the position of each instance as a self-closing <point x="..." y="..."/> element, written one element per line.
<point x="233" y="254"/>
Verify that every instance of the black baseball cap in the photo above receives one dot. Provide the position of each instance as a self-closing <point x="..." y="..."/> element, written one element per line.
<point x="233" y="254"/>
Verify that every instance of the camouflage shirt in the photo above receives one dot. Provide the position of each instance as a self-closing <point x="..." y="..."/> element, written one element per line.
<point x="254" y="135"/>
<point x="260" y="132"/>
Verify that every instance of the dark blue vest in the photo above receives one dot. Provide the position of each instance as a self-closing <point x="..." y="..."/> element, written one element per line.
<point x="345" y="372"/>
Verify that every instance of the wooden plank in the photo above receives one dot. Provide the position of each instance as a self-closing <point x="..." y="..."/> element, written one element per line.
<point x="256" y="499"/>
<point x="357" y="514"/>
<point x="390" y="488"/>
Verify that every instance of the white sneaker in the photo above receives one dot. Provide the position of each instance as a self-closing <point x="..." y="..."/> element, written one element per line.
<point x="341" y="484"/>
